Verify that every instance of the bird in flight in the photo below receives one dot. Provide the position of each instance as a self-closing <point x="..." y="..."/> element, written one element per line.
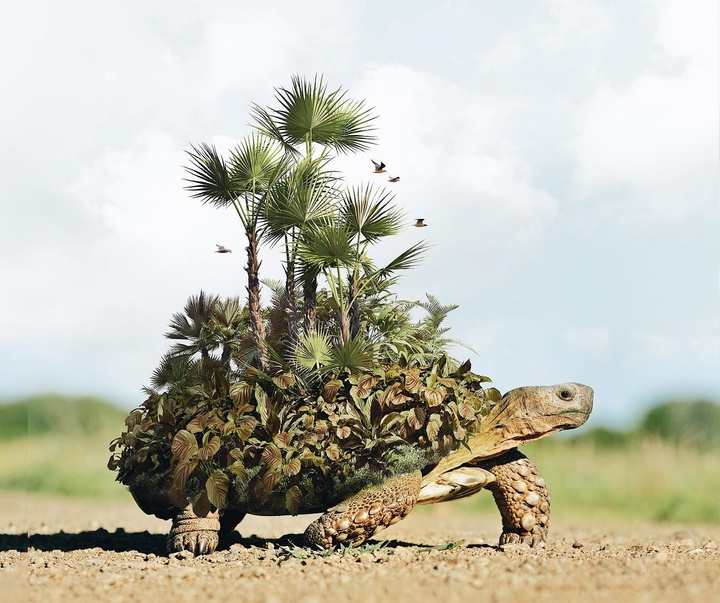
<point x="394" y="179"/>
<point x="420" y="222"/>
<point x="221" y="249"/>
<point x="379" y="167"/>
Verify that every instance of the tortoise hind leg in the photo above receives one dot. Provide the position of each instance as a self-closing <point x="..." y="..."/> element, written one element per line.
<point x="521" y="496"/>
<point x="356" y="519"/>
<point x="199" y="535"/>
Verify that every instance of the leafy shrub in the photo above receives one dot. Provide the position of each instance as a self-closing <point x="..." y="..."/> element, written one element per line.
<point x="690" y="423"/>
<point x="285" y="445"/>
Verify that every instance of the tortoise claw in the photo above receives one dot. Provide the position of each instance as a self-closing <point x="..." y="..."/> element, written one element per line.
<point x="198" y="535"/>
<point x="528" y="538"/>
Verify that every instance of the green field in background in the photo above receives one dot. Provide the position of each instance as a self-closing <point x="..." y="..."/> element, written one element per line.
<point x="59" y="445"/>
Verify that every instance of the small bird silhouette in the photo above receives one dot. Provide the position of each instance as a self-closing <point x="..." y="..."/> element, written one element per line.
<point x="420" y="222"/>
<point x="379" y="167"/>
<point x="394" y="179"/>
<point x="221" y="249"/>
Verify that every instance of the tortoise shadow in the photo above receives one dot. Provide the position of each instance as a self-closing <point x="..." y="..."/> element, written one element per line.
<point x="145" y="542"/>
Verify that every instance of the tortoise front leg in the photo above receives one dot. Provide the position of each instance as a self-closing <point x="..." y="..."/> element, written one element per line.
<point x="199" y="535"/>
<point x="521" y="496"/>
<point x="358" y="518"/>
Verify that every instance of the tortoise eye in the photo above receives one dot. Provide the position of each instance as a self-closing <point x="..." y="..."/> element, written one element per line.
<point x="566" y="394"/>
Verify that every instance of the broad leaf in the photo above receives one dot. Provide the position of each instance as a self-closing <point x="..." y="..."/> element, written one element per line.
<point x="210" y="449"/>
<point x="217" y="488"/>
<point x="293" y="499"/>
<point x="184" y="445"/>
<point x="182" y="472"/>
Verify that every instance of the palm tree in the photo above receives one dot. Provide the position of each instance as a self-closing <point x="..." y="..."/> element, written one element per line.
<point x="303" y="198"/>
<point x="244" y="183"/>
<point x="309" y="115"/>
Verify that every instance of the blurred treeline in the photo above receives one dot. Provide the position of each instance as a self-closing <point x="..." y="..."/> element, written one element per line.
<point x="665" y="467"/>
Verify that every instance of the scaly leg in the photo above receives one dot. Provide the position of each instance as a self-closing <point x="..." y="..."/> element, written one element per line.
<point x="356" y="519"/>
<point x="521" y="496"/>
<point x="199" y="535"/>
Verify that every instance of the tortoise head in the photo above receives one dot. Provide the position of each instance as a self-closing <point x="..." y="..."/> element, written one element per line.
<point x="530" y="413"/>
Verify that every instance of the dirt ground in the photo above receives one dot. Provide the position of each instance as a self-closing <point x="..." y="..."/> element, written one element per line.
<point x="91" y="551"/>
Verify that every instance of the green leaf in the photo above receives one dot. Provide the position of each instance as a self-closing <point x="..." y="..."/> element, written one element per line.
<point x="413" y="383"/>
<point x="133" y="419"/>
<point x="197" y="424"/>
<point x="333" y="452"/>
<point x="462" y="369"/>
<point x="283" y="439"/>
<point x="210" y="449"/>
<point x="365" y="385"/>
<point x="466" y="411"/>
<point x="217" y="486"/>
<point x="292" y="468"/>
<point x="184" y="445"/>
<point x="284" y="380"/>
<point x="201" y="504"/>
<point x="183" y="470"/>
<point x="433" y="427"/>
<point x="434" y="397"/>
<point x="343" y="432"/>
<point x="416" y="418"/>
<point x="240" y="393"/>
<point x="271" y="457"/>
<point x="261" y="399"/>
<point x="245" y="427"/>
<point x="493" y="394"/>
<point x="270" y="479"/>
<point x="330" y="389"/>
<point x="293" y="499"/>
<point x="238" y="468"/>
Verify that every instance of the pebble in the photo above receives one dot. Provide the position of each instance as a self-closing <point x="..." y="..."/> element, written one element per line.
<point x="711" y="545"/>
<point x="662" y="556"/>
<point x="577" y="545"/>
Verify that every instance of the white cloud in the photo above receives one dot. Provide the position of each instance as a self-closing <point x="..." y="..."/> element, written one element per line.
<point x="689" y="29"/>
<point x="653" y="144"/>
<point x="594" y="339"/>
<point x="458" y="163"/>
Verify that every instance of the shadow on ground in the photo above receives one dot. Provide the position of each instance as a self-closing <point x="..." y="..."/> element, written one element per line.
<point x="121" y="541"/>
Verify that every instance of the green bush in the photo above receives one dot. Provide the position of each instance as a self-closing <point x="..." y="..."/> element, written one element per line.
<point x="693" y="423"/>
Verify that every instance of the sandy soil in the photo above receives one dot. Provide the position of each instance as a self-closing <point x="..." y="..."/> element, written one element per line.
<point x="89" y="551"/>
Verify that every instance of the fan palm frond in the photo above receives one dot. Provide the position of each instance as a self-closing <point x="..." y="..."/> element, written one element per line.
<point x="370" y="213"/>
<point x="328" y="245"/>
<point x="210" y="180"/>
<point x="309" y="113"/>
<point x="312" y="350"/>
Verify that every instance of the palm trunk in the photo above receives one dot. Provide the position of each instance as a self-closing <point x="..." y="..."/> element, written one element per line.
<point x="310" y="301"/>
<point x="290" y="305"/>
<point x="253" y="288"/>
<point x="354" y="307"/>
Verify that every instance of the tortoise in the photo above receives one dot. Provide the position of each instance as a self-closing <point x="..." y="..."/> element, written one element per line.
<point x="489" y="460"/>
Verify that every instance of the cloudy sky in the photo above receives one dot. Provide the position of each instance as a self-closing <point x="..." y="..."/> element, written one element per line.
<point x="564" y="154"/>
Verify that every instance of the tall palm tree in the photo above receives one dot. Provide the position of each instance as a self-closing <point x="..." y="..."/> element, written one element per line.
<point x="310" y="115"/>
<point x="244" y="183"/>
<point x="306" y="196"/>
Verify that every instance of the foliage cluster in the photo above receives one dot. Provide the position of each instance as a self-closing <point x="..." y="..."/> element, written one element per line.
<point x="286" y="441"/>
<point x="333" y="382"/>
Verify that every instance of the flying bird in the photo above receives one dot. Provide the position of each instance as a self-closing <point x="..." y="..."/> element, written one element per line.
<point x="394" y="179"/>
<point x="221" y="249"/>
<point x="420" y="222"/>
<point x="379" y="167"/>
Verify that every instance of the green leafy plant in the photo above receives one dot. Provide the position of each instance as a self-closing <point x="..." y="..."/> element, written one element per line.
<point x="333" y="384"/>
